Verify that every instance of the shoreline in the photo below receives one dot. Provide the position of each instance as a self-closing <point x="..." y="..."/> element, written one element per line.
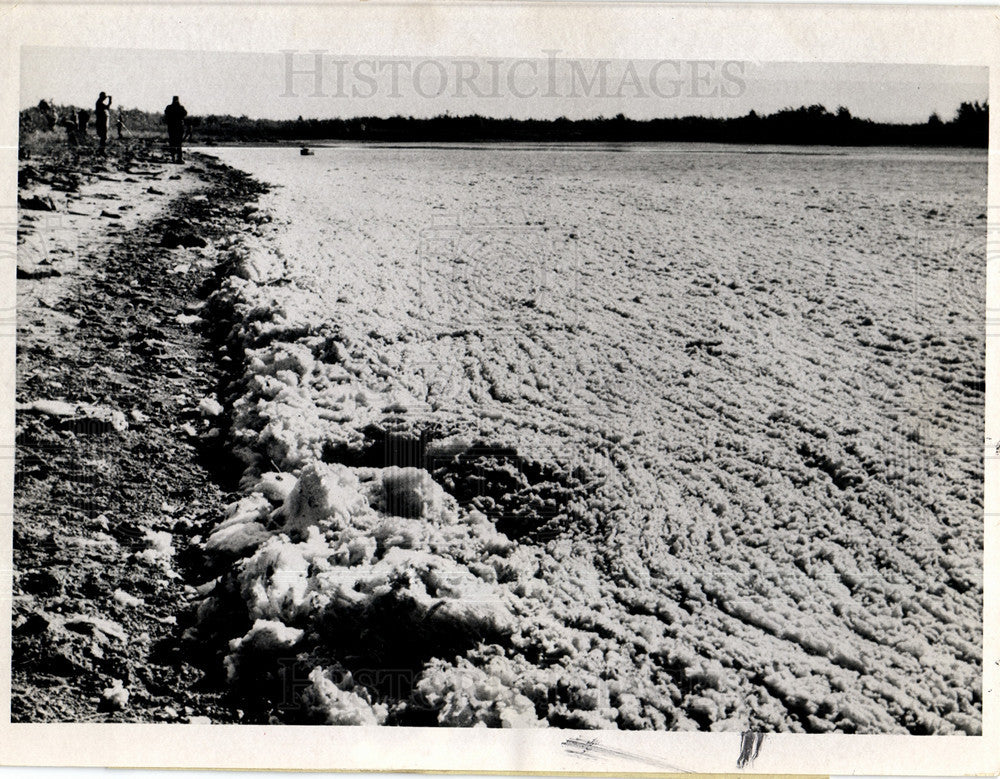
<point x="116" y="465"/>
<point x="712" y="146"/>
<point x="500" y="583"/>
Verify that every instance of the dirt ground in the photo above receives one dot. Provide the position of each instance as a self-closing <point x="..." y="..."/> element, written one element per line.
<point x="114" y="479"/>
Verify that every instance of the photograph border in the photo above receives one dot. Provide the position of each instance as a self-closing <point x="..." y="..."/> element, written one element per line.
<point x="791" y="33"/>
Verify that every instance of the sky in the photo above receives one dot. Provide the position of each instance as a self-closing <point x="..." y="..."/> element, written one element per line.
<point x="285" y="85"/>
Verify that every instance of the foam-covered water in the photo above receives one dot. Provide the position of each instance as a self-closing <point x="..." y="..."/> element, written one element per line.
<point x="599" y="439"/>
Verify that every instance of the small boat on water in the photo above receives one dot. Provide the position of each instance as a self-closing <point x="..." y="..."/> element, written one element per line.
<point x="305" y="151"/>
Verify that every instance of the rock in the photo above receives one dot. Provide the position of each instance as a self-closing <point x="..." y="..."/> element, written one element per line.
<point x="115" y="697"/>
<point x="187" y="319"/>
<point x="98" y="419"/>
<point x="109" y="215"/>
<point x="154" y="191"/>
<point x="36" y="203"/>
<point x="125" y="599"/>
<point x="173" y="239"/>
<point x="97" y="627"/>
<point x="106" y="419"/>
<point x="58" y="408"/>
<point x="31" y="274"/>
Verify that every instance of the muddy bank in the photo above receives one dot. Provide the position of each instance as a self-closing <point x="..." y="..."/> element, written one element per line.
<point x="117" y="453"/>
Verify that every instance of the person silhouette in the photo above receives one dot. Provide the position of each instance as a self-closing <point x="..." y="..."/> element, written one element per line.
<point x="174" y="115"/>
<point x="48" y="114"/>
<point x="101" y="108"/>
<point x="69" y="124"/>
<point x="82" y="119"/>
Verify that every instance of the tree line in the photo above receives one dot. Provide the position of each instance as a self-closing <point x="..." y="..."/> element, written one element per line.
<point x="807" y="125"/>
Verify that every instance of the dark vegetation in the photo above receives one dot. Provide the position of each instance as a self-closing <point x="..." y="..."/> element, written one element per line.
<point x="812" y="125"/>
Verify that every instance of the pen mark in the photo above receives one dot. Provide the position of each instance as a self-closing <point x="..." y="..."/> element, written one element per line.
<point x="750" y="743"/>
<point x="593" y="749"/>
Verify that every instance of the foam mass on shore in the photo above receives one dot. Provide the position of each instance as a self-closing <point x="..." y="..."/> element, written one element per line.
<point x="410" y="555"/>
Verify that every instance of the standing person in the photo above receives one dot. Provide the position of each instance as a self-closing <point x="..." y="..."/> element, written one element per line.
<point x="48" y="114"/>
<point x="82" y="118"/>
<point x="69" y="124"/>
<point x="174" y="115"/>
<point x="101" y="108"/>
<point x="120" y="124"/>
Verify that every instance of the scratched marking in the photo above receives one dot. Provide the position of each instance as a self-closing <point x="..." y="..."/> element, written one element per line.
<point x="592" y="749"/>
<point x="750" y="744"/>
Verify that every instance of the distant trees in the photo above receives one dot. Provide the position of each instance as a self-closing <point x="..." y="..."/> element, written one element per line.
<point x="805" y="125"/>
<point x="973" y="121"/>
<point x="972" y="112"/>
